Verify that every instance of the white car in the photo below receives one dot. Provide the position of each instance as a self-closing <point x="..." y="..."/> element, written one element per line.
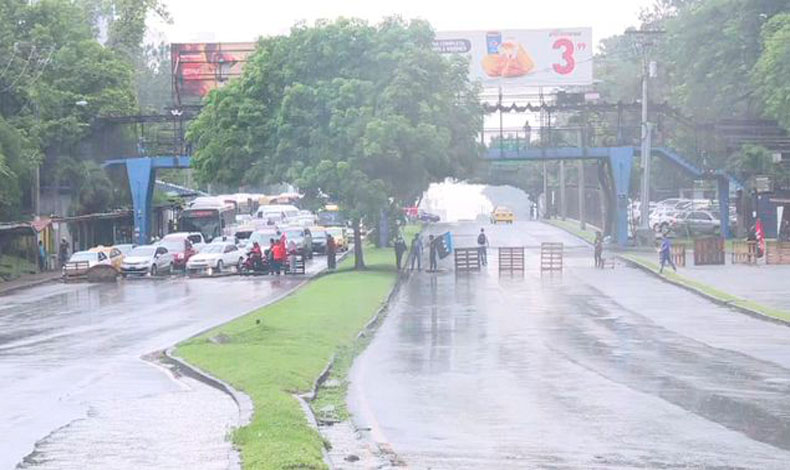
<point x="147" y="259"/>
<point x="81" y="261"/>
<point x="196" y="238"/>
<point x="214" y="258"/>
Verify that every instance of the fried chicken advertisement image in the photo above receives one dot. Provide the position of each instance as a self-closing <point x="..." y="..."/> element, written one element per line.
<point x="506" y="59"/>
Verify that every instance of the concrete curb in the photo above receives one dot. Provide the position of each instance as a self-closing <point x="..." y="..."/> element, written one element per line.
<point x="8" y="289"/>
<point x="739" y="308"/>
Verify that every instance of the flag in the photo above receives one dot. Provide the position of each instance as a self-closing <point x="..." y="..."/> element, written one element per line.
<point x="444" y="245"/>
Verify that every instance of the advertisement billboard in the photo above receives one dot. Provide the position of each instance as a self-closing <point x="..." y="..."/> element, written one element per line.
<point x="198" y="68"/>
<point x="541" y="57"/>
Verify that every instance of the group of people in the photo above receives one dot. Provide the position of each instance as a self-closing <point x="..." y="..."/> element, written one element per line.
<point x="417" y="249"/>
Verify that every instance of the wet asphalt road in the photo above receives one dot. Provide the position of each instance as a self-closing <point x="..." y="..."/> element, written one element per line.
<point x="590" y="369"/>
<point x="76" y="393"/>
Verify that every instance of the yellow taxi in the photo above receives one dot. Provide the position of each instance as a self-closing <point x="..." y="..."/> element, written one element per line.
<point x="114" y="255"/>
<point x="502" y="215"/>
<point x="340" y="236"/>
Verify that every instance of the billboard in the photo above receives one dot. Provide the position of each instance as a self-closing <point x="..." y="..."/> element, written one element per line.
<point x="540" y="57"/>
<point x="198" y="68"/>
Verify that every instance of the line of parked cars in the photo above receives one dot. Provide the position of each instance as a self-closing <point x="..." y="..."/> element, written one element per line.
<point x="677" y="216"/>
<point x="190" y="253"/>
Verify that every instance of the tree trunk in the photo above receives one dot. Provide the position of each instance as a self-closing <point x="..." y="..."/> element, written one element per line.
<point x="359" y="261"/>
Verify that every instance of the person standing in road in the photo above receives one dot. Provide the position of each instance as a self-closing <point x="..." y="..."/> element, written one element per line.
<point x="666" y="254"/>
<point x="63" y="252"/>
<point x="279" y="256"/>
<point x="400" y="248"/>
<point x="416" y="252"/>
<point x="270" y="256"/>
<point x="482" y="246"/>
<point x="331" y="250"/>
<point x="598" y="249"/>
<point x="433" y="254"/>
<point x="42" y="256"/>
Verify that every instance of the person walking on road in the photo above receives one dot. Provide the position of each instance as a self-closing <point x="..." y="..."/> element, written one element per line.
<point x="416" y="252"/>
<point x="666" y="255"/>
<point x="598" y="249"/>
<point x="482" y="246"/>
<point x="63" y="252"/>
<point x="331" y="250"/>
<point x="433" y="254"/>
<point x="400" y="248"/>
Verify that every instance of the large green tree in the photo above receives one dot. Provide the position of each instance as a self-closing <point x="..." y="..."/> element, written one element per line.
<point x="366" y="115"/>
<point x="770" y="74"/>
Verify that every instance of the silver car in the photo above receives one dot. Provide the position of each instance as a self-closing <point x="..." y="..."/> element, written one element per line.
<point x="148" y="259"/>
<point x="699" y="223"/>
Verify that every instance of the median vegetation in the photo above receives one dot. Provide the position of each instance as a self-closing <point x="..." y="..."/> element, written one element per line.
<point x="281" y="349"/>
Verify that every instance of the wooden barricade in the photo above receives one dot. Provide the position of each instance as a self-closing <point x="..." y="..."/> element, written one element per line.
<point x="708" y="251"/>
<point x="511" y="259"/>
<point x="777" y="252"/>
<point x="467" y="259"/>
<point x="678" y="254"/>
<point x="551" y="256"/>
<point x="744" y="252"/>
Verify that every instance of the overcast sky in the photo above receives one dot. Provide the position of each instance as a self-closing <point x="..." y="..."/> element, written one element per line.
<point x="245" y="20"/>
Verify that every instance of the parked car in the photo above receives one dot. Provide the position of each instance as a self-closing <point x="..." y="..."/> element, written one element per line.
<point x="180" y="250"/>
<point x="195" y="238"/>
<point x="428" y="217"/>
<point x="502" y="215"/>
<point x="340" y="234"/>
<point x="80" y="262"/>
<point x="114" y="254"/>
<point x="147" y="259"/>
<point x="698" y="223"/>
<point x="215" y="258"/>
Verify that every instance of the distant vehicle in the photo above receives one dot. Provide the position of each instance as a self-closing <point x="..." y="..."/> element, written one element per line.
<point x="178" y="249"/>
<point x="699" y="223"/>
<point x="215" y="258"/>
<point x="81" y="261"/>
<point x="262" y="237"/>
<point x="303" y="239"/>
<point x="242" y="236"/>
<point x="428" y="217"/>
<point x="147" y="259"/>
<point x="207" y="216"/>
<point x="195" y="238"/>
<point x="330" y="216"/>
<point x="503" y="215"/>
<point x="341" y="237"/>
<point x="114" y="254"/>
<point x="319" y="240"/>
<point x="125" y="248"/>
<point x="275" y="214"/>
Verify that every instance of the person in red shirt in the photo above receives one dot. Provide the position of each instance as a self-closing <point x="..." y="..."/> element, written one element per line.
<point x="279" y="256"/>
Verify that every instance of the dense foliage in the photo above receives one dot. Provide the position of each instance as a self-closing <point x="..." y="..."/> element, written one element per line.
<point x="366" y="115"/>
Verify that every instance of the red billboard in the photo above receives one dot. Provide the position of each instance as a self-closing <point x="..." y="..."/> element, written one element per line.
<point x="198" y="68"/>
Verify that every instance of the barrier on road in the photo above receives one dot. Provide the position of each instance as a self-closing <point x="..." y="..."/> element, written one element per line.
<point x="678" y="254"/>
<point x="551" y="256"/>
<point x="744" y="252"/>
<point x="298" y="265"/>
<point x="708" y="251"/>
<point x="467" y="259"/>
<point x="777" y="252"/>
<point x="511" y="259"/>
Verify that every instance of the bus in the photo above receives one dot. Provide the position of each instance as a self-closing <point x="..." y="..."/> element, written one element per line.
<point x="330" y="216"/>
<point x="211" y="217"/>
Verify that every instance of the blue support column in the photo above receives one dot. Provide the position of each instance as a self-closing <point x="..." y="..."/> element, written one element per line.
<point x="141" y="185"/>
<point x="621" y="161"/>
<point x="724" y="206"/>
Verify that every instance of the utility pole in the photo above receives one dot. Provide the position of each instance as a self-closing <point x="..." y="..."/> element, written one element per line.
<point x="648" y="71"/>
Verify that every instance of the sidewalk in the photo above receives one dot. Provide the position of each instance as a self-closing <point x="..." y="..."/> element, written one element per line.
<point x="29" y="280"/>
<point x="759" y="290"/>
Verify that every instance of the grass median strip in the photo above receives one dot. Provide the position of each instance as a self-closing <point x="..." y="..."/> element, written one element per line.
<point x="710" y="291"/>
<point x="280" y="349"/>
<point x="573" y="227"/>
